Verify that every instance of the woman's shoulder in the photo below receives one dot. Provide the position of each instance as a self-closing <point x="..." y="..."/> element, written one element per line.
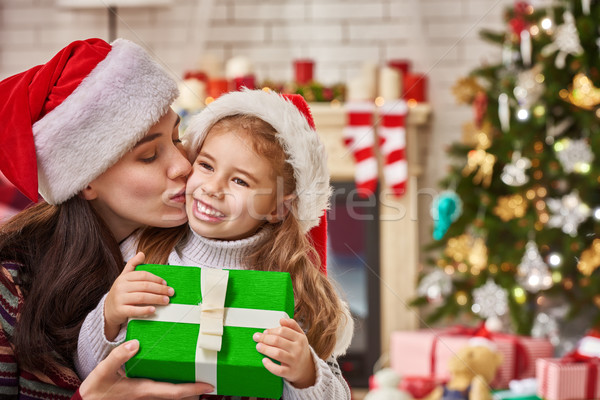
<point x="11" y="297"/>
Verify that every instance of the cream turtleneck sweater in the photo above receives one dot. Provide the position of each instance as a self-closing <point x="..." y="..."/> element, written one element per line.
<point x="93" y="346"/>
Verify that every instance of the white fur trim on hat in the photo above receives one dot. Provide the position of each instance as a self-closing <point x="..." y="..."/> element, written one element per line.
<point x="478" y="341"/>
<point x="344" y="332"/>
<point x="104" y="117"/>
<point x="305" y="151"/>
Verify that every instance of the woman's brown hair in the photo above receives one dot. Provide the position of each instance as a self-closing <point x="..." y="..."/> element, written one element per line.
<point x="318" y="307"/>
<point x="69" y="260"/>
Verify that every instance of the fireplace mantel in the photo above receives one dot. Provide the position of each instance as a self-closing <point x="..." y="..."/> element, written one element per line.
<point x="399" y="244"/>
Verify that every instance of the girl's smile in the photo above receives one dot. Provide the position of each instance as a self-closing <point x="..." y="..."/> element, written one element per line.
<point x="207" y="213"/>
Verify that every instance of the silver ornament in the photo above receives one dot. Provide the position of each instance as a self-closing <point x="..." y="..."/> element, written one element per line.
<point x="568" y="213"/>
<point x="490" y="300"/>
<point x="574" y="154"/>
<point x="528" y="90"/>
<point x="546" y="326"/>
<point x="566" y="41"/>
<point x="515" y="173"/>
<point x="435" y="285"/>
<point x="533" y="273"/>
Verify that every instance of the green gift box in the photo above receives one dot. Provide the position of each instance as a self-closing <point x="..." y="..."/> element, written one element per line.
<point x="169" y="340"/>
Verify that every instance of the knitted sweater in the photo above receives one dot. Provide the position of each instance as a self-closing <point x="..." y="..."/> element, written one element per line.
<point x="197" y="250"/>
<point x="53" y="382"/>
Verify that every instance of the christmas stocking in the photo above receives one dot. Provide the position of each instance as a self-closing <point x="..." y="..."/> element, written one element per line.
<point x="359" y="137"/>
<point x="392" y="143"/>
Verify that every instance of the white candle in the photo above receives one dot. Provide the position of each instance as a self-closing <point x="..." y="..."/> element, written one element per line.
<point x="389" y="83"/>
<point x="357" y="89"/>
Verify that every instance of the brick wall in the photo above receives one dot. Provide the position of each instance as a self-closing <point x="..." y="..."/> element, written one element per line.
<point x="440" y="36"/>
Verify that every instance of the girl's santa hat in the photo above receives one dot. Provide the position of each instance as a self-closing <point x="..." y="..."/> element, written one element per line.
<point x="67" y="121"/>
<point x="290" y="116"/>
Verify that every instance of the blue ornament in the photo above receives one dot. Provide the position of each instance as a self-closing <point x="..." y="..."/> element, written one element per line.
<point x="446" y="209"/>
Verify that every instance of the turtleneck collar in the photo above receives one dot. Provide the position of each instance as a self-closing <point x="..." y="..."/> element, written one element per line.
<point x="204" y="252"/>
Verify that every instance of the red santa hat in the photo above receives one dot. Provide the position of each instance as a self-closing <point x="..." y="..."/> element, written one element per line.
<point x="290" y="116"/>
<point x="67" y="121"/>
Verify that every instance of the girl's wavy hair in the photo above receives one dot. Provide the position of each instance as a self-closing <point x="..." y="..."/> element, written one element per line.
<point x="287" y="249"/>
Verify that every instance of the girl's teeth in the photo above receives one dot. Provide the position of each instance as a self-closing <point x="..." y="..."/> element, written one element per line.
<point x="209" y="211"/>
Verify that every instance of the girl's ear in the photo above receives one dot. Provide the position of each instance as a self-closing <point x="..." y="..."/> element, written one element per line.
<point x="89" y="193"/>
<point x="281" y="209"/>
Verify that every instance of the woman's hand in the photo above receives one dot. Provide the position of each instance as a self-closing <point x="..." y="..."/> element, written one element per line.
<point x="108" y="381"/>
<point x="289" y="345"/>
<point x="133" y="294"/>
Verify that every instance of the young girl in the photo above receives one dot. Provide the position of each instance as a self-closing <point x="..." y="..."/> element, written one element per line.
<point x="259" y="184"/>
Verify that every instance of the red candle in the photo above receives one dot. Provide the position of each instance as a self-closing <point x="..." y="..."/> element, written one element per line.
<point x="415" y="87"/>
<point x="304" y="69"/>
<point x="403" y="66"/>
<point x="217" y="87"/>
<point x="245" y="81"/>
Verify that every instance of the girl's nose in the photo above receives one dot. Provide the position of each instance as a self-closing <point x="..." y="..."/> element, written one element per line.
<point x="213" y="188"/>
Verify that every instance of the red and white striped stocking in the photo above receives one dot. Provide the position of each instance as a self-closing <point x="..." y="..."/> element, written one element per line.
<point x="392" y="144"/>
<point x="359" y="137"/>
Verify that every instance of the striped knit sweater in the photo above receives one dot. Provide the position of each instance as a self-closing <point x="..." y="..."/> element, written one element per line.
<point x="55" y="382"/>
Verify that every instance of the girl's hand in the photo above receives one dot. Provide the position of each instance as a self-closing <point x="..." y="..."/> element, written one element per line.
<point x="108" y="381"/>
<point x="133" y="295"/>
<point x="289" y="345"/>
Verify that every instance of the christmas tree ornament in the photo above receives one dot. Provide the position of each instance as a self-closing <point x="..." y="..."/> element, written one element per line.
<point x="533" y="273"/>
<point x="529" y="87"/>
<point x="392" y="141"/>
<point x="585" y="6"/>
<point x="480" y="161"/>
<point x="465" y="89"/>
<point x="458" y="248"/>
<point x="590" y="259"/>
<point x="568" y="213"/>
<point x="566" y="41"/>
<point x="478" y="256"/>
<point x="515" y="173"/>
<point x="525" y="47"/>
<point x="504" y="112"/>
<point x="510" y="207"/>
<point x="445" y="209"/>
<point x="574" y="155"/>
<point x="480" y="104"/>
<point x="359" y="138"/>
<point x="545" y="326"/>
<point x="435" y="286"/>
<point x="583" y="93"/>
<point x="490" y="300"/>
<point x="554" y="130"/>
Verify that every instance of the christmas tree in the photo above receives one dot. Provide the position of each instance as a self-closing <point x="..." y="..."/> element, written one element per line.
<point x="516" y="226"/>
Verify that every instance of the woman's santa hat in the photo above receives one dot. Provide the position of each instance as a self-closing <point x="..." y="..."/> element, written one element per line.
<point x="67" y="121"/>
<point x="290" y="116"/>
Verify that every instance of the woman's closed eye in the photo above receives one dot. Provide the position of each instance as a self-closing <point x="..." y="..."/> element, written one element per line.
<point x="149" y="159"/>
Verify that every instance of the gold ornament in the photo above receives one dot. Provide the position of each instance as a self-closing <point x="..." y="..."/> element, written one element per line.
<point x="458" y="248"/>
<point x="583" y="93"/>
<point x="477" y="137"/>
<point x="478" y="256"/>
<point x="465" y="90"/>
<point x="510" y="207"/>
<point x="480" y="160"/>
<point x="590" y="259"/>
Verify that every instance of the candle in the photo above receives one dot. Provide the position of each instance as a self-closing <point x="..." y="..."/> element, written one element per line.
<point x="304" y="70"/>
<point x="369" y="76"/>
<point x="247" y="81"/>
<point x="217" y="87"/>
<point x="357" y="89"/>
<point x="389" y="83"/>
<point x="415" y="87"/>
<point x="403" y="66"/>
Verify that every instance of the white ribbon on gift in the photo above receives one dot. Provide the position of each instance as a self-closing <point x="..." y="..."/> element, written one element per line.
<point x="211" y="315"/>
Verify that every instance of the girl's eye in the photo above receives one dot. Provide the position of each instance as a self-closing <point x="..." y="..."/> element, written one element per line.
<point x="205" y="165"/>
<point x="240" y="182"/>
<point x="150" y="159"/>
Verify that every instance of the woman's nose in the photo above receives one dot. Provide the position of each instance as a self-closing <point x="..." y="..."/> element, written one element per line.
<point x="180" y="166"/>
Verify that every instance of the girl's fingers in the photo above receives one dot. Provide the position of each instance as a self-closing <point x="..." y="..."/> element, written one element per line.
<point x="145" y="276"/>
<point x="275" y="369"/>
<point x="138" y="298"/>
<point x="283" y="332"/>
<point x="150" y="287"/>
<point x="134" y="262"/>
<point x="291" y="323"/>
<point x="276" y="353"/>
<point x="275" y="340"/>
<point x="138" y="311"/>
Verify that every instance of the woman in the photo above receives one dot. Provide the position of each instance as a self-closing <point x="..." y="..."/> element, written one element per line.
<point x="94" y="119"/>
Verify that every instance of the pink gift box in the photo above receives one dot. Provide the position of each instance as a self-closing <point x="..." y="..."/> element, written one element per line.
<point x="427" y="352"/>
<point x="560" y="380"/>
